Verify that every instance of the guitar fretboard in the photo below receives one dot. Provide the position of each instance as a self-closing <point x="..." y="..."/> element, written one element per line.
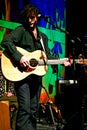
<point x="51" y="62"/>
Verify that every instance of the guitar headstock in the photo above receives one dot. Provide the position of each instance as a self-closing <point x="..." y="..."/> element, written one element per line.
<point x="82" y="61"/>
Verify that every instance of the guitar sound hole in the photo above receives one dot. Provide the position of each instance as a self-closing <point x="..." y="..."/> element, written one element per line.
<point x="33" y="62"/>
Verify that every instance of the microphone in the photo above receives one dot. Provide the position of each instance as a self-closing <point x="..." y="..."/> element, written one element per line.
<point x="42" y="16"/>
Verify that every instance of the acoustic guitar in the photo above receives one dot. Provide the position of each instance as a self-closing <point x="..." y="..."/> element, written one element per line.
<point x="38" y="65"/>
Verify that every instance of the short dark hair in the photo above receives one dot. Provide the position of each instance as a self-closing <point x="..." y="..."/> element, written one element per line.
<point x="29" y="10"/>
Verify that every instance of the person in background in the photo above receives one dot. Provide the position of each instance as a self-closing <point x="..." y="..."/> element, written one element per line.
<point x="28" y="37"/>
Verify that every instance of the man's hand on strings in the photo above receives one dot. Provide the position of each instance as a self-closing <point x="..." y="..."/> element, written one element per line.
<point x="24" y="62"/>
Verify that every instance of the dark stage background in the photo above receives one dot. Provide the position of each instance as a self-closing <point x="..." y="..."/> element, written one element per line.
<point x="76" y="22"/>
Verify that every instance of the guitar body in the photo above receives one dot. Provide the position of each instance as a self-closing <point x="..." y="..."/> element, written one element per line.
<point x="13" y="73"/>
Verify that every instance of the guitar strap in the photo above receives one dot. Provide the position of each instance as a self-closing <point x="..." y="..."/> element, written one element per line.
<point x="41" y="41"/>
<point x="42" y="44"/>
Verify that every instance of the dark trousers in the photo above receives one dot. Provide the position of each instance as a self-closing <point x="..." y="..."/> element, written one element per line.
<point x="28" y="92"/>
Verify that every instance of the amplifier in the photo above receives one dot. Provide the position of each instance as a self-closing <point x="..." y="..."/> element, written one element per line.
<point x="62" y="84"/>
<point x="68" y="82"/>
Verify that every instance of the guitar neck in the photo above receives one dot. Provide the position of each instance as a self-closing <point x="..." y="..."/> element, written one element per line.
<point x="51" y="62"/>
<point x="61" y="61"/>
<point x="80" y="61"/>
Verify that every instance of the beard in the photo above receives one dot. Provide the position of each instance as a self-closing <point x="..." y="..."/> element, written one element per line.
<point x="31" y="26"/>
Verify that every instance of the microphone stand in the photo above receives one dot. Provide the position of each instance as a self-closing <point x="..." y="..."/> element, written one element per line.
<point x="72" y="41"/>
